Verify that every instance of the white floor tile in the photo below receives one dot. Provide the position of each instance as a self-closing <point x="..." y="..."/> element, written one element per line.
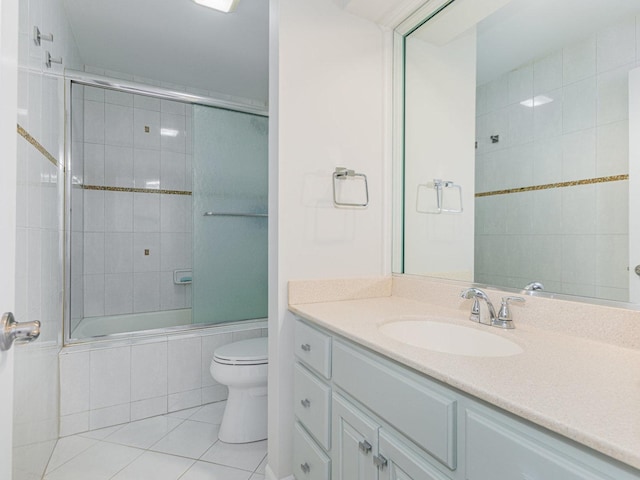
<point x="68" y="448"/>
<point x="99" y="462"/>
<point x="184" y="413"/>
<point x="246" y="456"/>
<point x="189" y="439"/>
<point x="144" y="433"/>
<point x="263" y="465"/>
<point x="211" y="413"/>
<point x="155" y="466"/>
<point x="101" y="433"/>
<point x="209" y="471"/>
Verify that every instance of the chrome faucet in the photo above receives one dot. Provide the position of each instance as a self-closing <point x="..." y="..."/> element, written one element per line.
<point x="476" y="312"/>
<point x="503" y="319"/>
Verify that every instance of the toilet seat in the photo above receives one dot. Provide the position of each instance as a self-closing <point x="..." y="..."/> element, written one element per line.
<point x="244" y="352"/>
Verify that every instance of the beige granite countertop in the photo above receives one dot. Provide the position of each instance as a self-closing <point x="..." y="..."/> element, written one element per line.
<point x="584" y="389"/>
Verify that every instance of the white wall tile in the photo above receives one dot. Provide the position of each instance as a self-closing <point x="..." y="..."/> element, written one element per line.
<point x="93" y="211"/>
<point x="613" y="95"/>
<point x="94" y="118"/>
<point x="93" y="253"/>
<point x="579" y="155"/>
<point x="146" y="292"/>
<point x="546" y="259"/>
<point x="547" y="73"/>
<point x="185" y="357"/>
<point x="146" y="103"/>
<point x="612" y="208"/>
<point x="182" y="400"/>
<point x="171" y="296"/>
<point x="175" y="123"/>
<point x="172" y="171"/>
<point x="169" y="106"/>
<point x="118" y="166"/>
<point x="547" y="161"/>
<point x="613" y="149"/>
<point x="141" y="261"/>
<point x="497" y="92"/>
<point x="148" y="408"/>
<point x="109" y="416"/>
<point x="520" y="84"/>
<point x="519" y="214"/>
<point x="118" y="98"/>
<point x="146" y="168"/>
<point x="546" y="217"/>
<point x="74" y="389"/>
<point x="110" y="378"/>
<point x="94" y="93"/>
<point x="520" y="124"/>
<point x="174" y="210"/>
<point x="118" y="293"/>
<point x="149" y="372"/>
<point x="118" y="128"/>
<point x="579" y="211"/>
<point x="75" y="423"/>
<point x="246" y="334"/>
<point x="143" y="120"/>
<point x="617" y="45"/>
<point x="173" y="251"/>
<point x="579" y="259"/>
<point x="93" y="295"/>
<point x="93" y="170"/>
<point x="579" y="60"/>
<point x="548" y="117"/>
<point x="579" y="105"/>
<point x="118" y="212"/>
<point x="146" y="212"/>
<point x="118" y="252"/>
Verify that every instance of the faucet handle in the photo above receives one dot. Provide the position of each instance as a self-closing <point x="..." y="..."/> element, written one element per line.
<point x="504" y="315"/>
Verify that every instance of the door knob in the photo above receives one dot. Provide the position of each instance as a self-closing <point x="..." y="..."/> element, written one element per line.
<point x="11" y="331"/>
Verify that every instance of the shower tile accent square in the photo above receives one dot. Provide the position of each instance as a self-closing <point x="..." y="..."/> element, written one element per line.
<point x="142" y="138"/>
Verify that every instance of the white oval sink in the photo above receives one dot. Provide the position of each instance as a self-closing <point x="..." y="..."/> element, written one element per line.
<point x="448" y="338"/>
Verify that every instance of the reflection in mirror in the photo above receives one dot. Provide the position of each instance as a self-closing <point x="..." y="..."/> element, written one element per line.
<point x="517" y="148"/>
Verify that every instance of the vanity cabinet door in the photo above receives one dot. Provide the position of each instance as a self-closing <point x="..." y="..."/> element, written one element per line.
<point x="497" y="450"/>
<point x="355" y="442"/>
<point x="403" y="462"/>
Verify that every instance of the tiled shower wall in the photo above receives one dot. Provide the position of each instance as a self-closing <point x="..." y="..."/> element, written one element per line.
<point x="573" y="239"/>
<point x="127" y="244"/>
<point x="109" y="383"/>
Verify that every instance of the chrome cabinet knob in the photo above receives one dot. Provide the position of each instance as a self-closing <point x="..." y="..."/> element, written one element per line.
<point x="306" y="347"/>
<point x="12" y="331"/>
<point x="364" y="446"/>
<point x="305" y="467"/>
<point x="306" y="403"/>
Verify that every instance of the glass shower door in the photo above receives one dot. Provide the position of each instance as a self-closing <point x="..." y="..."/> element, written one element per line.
<point x="230" y="216"/>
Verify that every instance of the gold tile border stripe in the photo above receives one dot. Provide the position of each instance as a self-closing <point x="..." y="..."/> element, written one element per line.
<point x="24" y="134"/>
<point x="573" y="183"/>
<point x="135" y="190"/>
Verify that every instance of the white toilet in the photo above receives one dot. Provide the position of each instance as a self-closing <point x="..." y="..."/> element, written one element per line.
<point x="242" y="366"/>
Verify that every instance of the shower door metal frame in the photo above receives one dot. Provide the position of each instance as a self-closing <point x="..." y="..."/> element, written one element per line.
<point x="126" y="86"/>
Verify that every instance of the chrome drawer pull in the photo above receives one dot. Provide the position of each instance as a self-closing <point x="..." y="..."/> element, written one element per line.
<point x="306" y="403"/>
<point x="379" y="461"/>
<point x="306" y="347"/>
<point x="305" y="467"/>
<point x="364" y="446"/>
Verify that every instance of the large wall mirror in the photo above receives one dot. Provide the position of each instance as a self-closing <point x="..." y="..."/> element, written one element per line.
<point x="517" y="165"/>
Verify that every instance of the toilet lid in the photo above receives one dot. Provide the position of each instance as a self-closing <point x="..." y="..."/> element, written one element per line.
<point x="244" y="352"/>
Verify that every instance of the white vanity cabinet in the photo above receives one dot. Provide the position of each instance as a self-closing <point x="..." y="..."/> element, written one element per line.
<point x="378" y="420"/>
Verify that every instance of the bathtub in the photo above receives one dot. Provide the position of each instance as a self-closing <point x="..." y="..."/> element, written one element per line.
<point x="137" y="322"/>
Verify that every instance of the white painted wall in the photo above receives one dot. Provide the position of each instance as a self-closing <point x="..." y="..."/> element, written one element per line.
<point x="440" y="127"/>
<point x="328" y="88"/>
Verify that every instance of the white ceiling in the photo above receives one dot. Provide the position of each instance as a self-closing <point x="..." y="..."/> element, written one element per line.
<point x="177" y="41"/>
<point x="527" y="29"/>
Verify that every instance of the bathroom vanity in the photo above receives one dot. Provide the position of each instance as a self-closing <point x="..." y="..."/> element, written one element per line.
<point x="368" y="406"/>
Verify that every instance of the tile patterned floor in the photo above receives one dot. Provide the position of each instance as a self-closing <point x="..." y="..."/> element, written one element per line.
<point x="182" y="445"/>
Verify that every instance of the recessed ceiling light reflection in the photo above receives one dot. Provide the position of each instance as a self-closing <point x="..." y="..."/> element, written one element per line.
<point x="537" y="101"/>
<point x="169" y="132"/>
<point x="225" y="6"/>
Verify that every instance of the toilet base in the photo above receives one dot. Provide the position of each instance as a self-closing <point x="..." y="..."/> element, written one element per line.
<point x="245" y="416"/>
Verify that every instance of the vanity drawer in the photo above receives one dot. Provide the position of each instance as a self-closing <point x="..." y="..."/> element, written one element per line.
<point x="313" y="348"/>
<point x="427" y="412"/>
<point x="309" y="461"/>
<point x="312" y="398"/>
<point x="498" y="451"/>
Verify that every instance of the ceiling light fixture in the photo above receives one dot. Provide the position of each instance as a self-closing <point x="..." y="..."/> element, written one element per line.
<point x="537" y="101"/>
<point x="225" y="6"/>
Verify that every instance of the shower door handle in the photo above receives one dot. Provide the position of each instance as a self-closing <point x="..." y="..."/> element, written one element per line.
<point x="11" y="331"/>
